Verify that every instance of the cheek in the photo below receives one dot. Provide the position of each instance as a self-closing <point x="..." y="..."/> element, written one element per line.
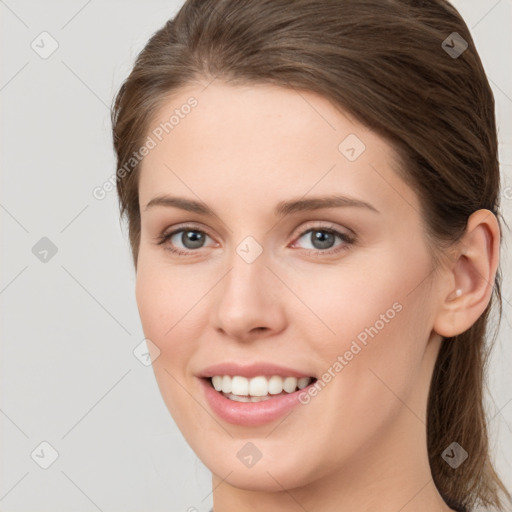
<point x="166" y="309"/>
<point x="378" y="321"/>
<point x="163" y="302"/>
<point x="163" y="295"/>
<point x="375" y="299"/>
<point x="382" y="325"/>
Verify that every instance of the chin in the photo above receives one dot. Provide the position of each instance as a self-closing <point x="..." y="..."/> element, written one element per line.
<point x="271" y="475"/>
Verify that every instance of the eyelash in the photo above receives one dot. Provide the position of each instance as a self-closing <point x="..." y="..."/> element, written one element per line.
<point x="347" y="239"/>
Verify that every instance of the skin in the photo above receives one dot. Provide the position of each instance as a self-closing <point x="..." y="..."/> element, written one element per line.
<point x="360" y="444"/>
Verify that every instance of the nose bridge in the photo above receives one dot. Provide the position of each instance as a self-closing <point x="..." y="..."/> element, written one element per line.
<point x="246" y="299"/>
<point x="244" y="282"/>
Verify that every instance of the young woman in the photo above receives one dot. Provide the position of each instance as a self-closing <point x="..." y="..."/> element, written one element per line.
<point x="312" y="193"/>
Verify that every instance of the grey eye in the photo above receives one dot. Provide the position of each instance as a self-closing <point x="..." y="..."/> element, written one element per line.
<point x="190" y="238"/>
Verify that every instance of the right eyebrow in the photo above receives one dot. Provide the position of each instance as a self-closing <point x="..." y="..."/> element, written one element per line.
<point x="188" y="205"/>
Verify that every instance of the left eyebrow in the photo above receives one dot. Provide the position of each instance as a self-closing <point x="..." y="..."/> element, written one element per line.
<point x="282" y="209"/>
<point x="316" y="203"/>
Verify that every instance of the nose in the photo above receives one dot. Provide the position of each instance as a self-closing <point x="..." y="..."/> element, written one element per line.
<point x="249" y="301"/>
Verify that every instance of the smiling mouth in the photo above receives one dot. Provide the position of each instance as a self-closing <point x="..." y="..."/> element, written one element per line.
<point x="257" y="389"/>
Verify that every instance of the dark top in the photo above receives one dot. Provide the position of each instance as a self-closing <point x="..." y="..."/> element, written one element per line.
<point x="454" y="506"/>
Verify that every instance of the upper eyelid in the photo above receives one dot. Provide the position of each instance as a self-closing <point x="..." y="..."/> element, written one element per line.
<point x="186" y="227"/>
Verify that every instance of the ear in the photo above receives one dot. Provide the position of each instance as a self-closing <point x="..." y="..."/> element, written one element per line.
<point x="469" y="279"/>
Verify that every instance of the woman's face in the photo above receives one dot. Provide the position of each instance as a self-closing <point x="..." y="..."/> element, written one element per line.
<point x="307" y="258"/>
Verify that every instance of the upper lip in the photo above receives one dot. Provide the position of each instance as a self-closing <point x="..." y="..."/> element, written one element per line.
<point x="251" y="370"/>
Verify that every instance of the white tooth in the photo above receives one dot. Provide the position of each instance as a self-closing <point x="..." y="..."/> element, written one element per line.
<point x="237" y="398"/>
<point x="226" y="384"/>
<point x="258" y="386"/>
<point x="260" y="398"/>
<point x="217" y="382"/>
<point x="275" y="385"/>
<point x="303" y="382"/>
<point x="290" y="384"/>
<point x="239" y="385"/>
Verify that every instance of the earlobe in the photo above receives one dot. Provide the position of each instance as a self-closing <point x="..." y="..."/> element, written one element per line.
<point x="471" y="276"/>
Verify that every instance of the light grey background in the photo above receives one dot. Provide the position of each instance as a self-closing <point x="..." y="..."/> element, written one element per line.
<point x="69" y="325"/>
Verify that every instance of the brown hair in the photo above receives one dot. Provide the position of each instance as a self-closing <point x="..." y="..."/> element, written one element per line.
<point x="384" y="62"/>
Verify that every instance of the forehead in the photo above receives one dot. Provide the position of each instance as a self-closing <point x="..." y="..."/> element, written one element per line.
<point x="261" y="141"/>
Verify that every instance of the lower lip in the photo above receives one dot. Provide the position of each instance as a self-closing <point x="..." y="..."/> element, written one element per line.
<point x="250" y="414"/>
